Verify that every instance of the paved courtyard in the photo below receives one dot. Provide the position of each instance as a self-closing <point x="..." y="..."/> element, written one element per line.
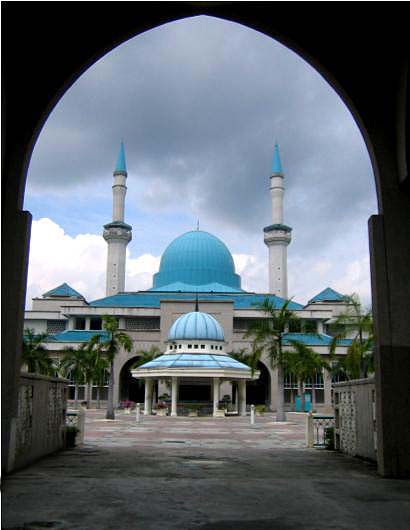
<point x="210" y="433"/>
<point x="206" y="474"/>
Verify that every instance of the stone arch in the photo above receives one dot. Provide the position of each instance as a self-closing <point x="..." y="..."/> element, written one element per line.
<point x="379" y="108"/>
<point x="259" y="392"/>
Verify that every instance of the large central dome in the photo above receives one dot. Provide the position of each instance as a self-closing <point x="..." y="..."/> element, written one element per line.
<point x="197" y="261"/>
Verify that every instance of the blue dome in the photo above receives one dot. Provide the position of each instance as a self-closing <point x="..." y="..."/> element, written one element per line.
<point x="197" y="261"/>
<point x="196" y="325"/>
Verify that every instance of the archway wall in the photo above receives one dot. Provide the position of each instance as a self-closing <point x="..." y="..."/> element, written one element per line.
<point x="365" y="63"/>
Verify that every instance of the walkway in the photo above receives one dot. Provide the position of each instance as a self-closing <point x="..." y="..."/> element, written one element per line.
<point x="205" y="474"/>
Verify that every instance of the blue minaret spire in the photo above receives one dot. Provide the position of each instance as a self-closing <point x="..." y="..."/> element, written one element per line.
<point x="121" y="166"/>
<point x="276" y="163"/>
<point x="117" y="234"/>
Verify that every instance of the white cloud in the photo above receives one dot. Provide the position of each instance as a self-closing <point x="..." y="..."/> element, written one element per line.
<point x="56" y="257"/>
<point x="80" y="261"/>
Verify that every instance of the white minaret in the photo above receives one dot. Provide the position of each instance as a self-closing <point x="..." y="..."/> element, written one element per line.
<point x="277" y="236"/>
<point x="117" y="233"/>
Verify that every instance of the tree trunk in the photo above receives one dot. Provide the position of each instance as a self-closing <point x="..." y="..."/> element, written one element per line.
<point x="302" y="395"/>
<point x="280" y="402"/>
<point x="110" y="404"/>
<point x="76" y="396"/>
<point x="89" y="389"/>
<point x="98" y="398"/>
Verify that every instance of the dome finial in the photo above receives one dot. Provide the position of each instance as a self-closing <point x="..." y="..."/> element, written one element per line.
<point x="196" y="303"/>
<point x="197" y="224"/>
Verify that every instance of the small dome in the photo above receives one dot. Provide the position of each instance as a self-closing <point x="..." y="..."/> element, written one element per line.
<point x="197" y="261"/>
<point x="196" y="325"/>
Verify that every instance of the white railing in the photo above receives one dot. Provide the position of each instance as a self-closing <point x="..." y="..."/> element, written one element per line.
<point x="39" y="426"/>
<point x="355" y="418"/>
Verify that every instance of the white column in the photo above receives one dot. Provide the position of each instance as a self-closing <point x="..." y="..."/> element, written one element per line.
<point x="87" y="323"/>
<point x="148" y="397"/>
<point x="174" y="396"/>
<point x="216" y="394"/>
<point x="242" y="397"/>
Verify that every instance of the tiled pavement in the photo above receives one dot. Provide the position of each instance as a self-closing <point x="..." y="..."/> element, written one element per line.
<point x="201" y="474"/>
<point x="207" y="432"/>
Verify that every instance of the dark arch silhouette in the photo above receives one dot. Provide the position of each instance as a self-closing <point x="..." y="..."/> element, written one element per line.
<point x="49" y="46"/>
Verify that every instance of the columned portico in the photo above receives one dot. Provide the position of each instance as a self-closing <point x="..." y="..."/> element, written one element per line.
<point x="216" y="395"/>
<point x="174" y="396"/>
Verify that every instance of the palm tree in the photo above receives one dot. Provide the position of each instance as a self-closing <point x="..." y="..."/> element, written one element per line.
<point x="304" y="363"/>
<point x="267" y="335"/>
<point x="359" y="359"/>
<point x="146" y="356"/>
<point x="101" y="366"/>
<point x="111" y="346"/>
<point x="72" y="364"/>
<point x="92" y="358"/>
<point x="34" y="355"/>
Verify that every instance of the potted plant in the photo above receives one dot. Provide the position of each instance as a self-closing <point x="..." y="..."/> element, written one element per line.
<point x="70" y="435"/>
<point x="260" y="410"/>
<point x="162" y="409"/>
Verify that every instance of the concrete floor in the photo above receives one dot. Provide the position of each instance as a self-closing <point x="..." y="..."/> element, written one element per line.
<point x="194" y="473"/>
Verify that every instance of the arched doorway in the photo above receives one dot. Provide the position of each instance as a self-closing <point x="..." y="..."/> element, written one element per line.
<point x="258" y="392"/>
<point x="130" y="388"/>
<point x="359" y="86"/>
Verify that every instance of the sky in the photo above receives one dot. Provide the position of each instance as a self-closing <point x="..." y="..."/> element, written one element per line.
<point x="199" y="104"/>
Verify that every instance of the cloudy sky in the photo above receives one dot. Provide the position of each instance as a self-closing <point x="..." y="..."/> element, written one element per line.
<point x="199" y="104"/>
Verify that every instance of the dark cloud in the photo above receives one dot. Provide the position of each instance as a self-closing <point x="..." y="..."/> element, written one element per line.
<point x="199" y="104"/>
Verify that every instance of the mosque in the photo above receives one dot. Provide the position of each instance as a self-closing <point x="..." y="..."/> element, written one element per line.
<point x="196" y="314"/>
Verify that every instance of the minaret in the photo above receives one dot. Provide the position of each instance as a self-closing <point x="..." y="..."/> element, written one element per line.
<point x="277" y="236"/>
<point x="117" y="233"/>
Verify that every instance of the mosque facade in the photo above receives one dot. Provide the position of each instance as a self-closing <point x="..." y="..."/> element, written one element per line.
<point x="196" y="277"/>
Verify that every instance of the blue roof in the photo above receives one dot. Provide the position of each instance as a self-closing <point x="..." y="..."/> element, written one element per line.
<point x="189" y="360"/>
<point x="241" y="300"/>
<point x="197" y="259"/>
<point x="328" y="295"/>
<point x="204" y="288"/>
<point x="276" y="163"/>
<point x="63" y="290"/>
<point x="196" y="325"/>
<point x="121" y="166"/>
<point x="313" y="339"/>
<point x="79" y="335"/>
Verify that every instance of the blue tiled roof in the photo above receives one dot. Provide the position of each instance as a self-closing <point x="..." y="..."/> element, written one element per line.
<point x="189" y="360"/>
<point x="119" y="224"/>
<point x="204" y="288"/>
<point x="196" y="325"/>
<point x="328" y="295"/>
<point x="63" y="290"/>
<point x="78" y="336"/>
<point x="313" y="339"/>
<point x="153" y="298"/>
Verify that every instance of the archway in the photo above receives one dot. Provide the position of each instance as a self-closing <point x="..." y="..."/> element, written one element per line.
<point x="258" y="392"/>
<point x="357" y="82"/>
<point x="130" y="388"/>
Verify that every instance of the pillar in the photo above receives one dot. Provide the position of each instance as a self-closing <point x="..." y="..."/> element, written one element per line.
<point x="242" y="397"/>
<point x="174" y="396"/>
<point x="216" y="394"/>
<point x="148" y="397"/>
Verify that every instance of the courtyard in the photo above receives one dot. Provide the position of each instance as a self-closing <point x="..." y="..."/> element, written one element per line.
<point x="201" y="473"/>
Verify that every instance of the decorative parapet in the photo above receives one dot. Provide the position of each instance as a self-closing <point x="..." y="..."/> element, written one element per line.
<point x="38" y="429"/>
<point x="355" y="418"/>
